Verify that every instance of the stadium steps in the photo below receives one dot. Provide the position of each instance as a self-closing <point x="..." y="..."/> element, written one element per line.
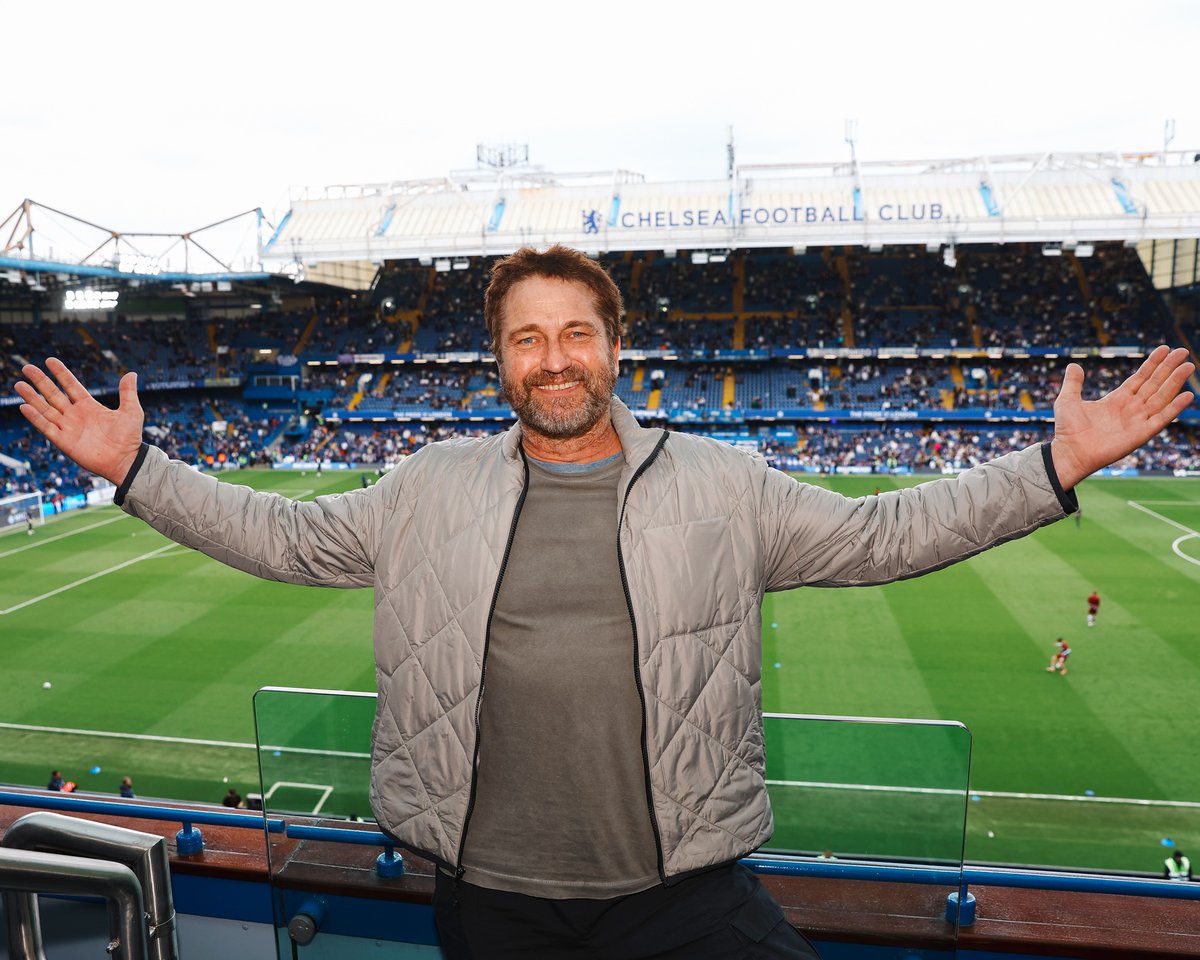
<point x="739" y="288"/>
<point x="1026" y="400"/>
<point x="729" y="388"/>
<point x="843" y="268"/>
<point x="355" y="400"/>
<point x="1086" y="289"/>
<point x="639" y="379"/>
<point x="739" y="332"/>
<point x="381" y="386"/>
<point x="956" y="375"/>
<point x="305" y="336"/>
<point x="947" y="399"/>
<point x="973" y="326"/>
<point x="430" y="278"/>
<point x="654" y="399"/>
<point x="212" y="339"/>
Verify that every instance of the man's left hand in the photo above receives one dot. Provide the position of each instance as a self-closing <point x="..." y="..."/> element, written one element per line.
<point x="1090" y="434"/>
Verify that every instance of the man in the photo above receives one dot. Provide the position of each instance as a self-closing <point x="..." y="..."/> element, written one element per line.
<point x="1093" y="608"/>
<point x="567" y="630"/>
<point x="1059" y="659"/>
<point x="56" y="780"/>
<point x="1177" y="867"/>
<point x="127" y="788"/>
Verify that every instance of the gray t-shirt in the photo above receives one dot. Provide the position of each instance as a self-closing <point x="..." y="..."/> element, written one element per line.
<point x="560" y="808"/>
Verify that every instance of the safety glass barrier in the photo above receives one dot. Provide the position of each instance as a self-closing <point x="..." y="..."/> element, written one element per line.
<point x="314" y="758"/>
<point x="859" y="798"/>
<point x="854" y="799"/>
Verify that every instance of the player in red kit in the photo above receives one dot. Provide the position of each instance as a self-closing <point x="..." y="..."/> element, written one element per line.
<point x="1093" y="608"/>
<point x="1059" y="660"/>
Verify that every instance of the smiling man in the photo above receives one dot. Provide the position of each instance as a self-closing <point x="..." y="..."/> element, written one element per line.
<point x="567" y="630"/>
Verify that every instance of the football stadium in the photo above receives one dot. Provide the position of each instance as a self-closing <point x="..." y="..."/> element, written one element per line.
<point x="980" y="759"/>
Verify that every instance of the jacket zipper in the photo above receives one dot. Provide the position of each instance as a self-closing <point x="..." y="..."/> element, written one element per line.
<point x="459" y="869"/>
<point x="637" y="667"/>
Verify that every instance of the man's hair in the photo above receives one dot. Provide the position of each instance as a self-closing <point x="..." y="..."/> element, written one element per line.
<point x="557" y="263"/>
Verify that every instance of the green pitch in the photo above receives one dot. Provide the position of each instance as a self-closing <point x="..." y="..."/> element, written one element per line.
<point x="154" y="654"/>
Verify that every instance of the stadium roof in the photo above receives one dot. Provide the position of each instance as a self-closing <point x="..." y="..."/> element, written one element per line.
<point x="1061" y="198"/>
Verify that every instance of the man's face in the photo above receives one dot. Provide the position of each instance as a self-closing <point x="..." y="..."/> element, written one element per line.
<point x="557" y="367"/>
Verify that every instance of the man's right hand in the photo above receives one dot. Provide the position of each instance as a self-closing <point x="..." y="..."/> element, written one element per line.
<point x="100" y="440"/>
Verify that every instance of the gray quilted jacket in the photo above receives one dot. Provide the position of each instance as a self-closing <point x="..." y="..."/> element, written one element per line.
<point x="705" y="530"/>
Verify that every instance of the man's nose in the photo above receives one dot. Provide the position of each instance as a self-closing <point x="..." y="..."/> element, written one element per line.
<point x="555" y="358"/>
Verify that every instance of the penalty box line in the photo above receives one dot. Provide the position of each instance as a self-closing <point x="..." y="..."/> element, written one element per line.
<point x="998" y="794"/>
<point x="325" y="789"/>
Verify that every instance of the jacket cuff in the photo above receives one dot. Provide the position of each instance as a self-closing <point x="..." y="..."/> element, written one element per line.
<point x="119" y="496"/>
<point x="1066" y="498"/>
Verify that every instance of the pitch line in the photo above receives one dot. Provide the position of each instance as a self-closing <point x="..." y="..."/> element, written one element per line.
<point x="1189" y="533"/>
<point x="87" y="579"/>
<point x="1000" y="794"/>
<point x="325" y="789"/>
<point x="39" y="542"/>
<point x="191" y="741"/>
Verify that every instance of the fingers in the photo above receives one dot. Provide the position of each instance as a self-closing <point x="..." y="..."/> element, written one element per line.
<point x="39" y="420"/>
<point x="1174" y="409"/>
<point x="1149" y="365"/>
<point x="1167" y="366"/>
<point x="1072" y="385"/>
<point x="34" y="400"/>
<point x="71" y="386"/>
<point x="128" y="391"/>
<point x="1171" y="385"/>
<point x="45" y="386"/>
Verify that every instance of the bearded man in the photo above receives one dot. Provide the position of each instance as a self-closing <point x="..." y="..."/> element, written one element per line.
<point x="567" y="631"/>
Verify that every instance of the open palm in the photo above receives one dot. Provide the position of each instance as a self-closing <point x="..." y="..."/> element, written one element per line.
<point x="99" y="439"/>
<point x="1090" y="434"/>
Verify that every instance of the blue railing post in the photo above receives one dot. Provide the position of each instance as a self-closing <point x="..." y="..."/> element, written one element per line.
<point x="389" y="864"/>
<point x="961" y="911"/>
<point x="189" y="841"/>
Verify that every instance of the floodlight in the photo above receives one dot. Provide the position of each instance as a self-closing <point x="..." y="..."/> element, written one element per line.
<point x="425" y="261"/>
<point x="933" y="246"/>
<point x="441" y="265"/>
<point x="461" y="264"/>
<point x="699" y="256"/>
<point x="1084" y="249"/>
<point x="718" y="256"/>
<point x="1052" y="249"/>
<point x="875" y="247"/>
<point x="88" y="299"/>
<point x="668" y="253"/>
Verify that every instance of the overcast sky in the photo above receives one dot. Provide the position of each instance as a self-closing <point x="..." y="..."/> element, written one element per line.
<point x="166" y="116"/>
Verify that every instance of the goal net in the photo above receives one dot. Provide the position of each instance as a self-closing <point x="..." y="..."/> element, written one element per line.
<point x="15" y="510"/>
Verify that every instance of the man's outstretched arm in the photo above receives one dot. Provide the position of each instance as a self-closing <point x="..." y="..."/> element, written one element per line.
<point x="1091" y="434"/>
<point x="102" y="441"/>
<point x="329" y="541"/>
<point x="814" y="536"/>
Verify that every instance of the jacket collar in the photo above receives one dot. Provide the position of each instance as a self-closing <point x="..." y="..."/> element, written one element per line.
<point x="637" y="442"/>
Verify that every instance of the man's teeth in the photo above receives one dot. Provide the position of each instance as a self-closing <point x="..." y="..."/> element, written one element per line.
<point x="557" y="386"/>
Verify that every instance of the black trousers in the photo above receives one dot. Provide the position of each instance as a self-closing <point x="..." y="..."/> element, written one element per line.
<point x="722" y="914"/>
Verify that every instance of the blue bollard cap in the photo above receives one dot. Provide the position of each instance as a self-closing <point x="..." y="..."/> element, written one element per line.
<point x="964" y="916"/>
<point x="189" y="841"/>
<point x="389" y="865"/>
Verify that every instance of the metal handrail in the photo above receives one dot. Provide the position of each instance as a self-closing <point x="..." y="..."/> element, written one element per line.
<point x="144" y="853"/>
<point x="30" y="872"/>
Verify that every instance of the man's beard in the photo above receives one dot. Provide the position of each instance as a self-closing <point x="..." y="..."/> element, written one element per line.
<point x="567" y="417"/>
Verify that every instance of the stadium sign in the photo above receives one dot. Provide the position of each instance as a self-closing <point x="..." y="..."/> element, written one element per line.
<point x="795" y="215"/>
